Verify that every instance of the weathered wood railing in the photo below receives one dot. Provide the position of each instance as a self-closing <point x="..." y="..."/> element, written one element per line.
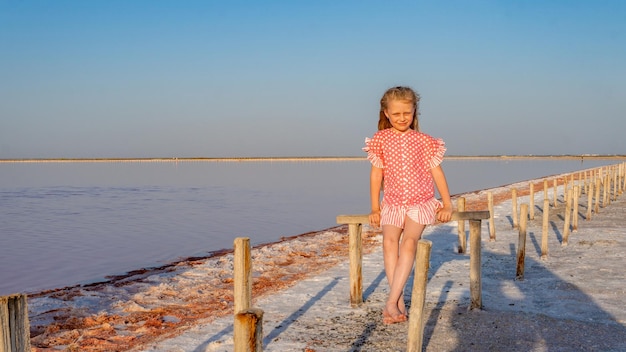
<point x="355" y="224"/>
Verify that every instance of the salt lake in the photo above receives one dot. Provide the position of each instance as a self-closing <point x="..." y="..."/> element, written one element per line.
<point x="68" y="223"/>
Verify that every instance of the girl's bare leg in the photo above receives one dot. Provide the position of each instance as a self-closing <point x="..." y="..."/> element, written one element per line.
<point x="403" y="266"/>
<point x="391" y="247"/>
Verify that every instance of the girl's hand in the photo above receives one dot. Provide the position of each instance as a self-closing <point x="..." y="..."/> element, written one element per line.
<point x="444" y="214"/>
<point x="375" y="219"/>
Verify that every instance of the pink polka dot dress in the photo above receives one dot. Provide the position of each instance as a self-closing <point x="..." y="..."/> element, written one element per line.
<point x="408" y="186"/>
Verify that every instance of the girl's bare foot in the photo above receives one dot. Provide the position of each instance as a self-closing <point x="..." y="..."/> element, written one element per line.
<point x="392" y="315"/>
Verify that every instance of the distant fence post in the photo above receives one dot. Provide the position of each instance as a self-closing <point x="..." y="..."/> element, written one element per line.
<point x="514" y="211"/>
<point x="615" y="191"/>
<point x="14" y="324"/>
<point x="492" y="225"/>
<point x="544" y="228"/>
<point x="596" y="206"/>
<point x="567" y="214"/>
<point x="576" y="194"/>
<point x="460" y="205"/>
<point x="589" y="200"/>
<point x="605" y="185"/>
<point x="521" y="243"/>
<point x="531" y="206"/>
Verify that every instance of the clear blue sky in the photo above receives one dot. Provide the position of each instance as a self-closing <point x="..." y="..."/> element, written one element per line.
<point x="109" y="78"/>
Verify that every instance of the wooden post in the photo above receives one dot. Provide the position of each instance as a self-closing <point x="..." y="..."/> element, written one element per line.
<point x="14" y="324"/>
<point x="356" y="260"/>
<point x="248" y="330"/>
<point x="620" y="177"/>
<point x="614" y="184"/>
<point x="248" y="325"/>
<point x="521" y="243"/>
<point x="475" y="263"/>
<point x="607" y="189"/>
<point x="514" y="204"/>
<point x="460" y="205"/>
<point x="243" y="275"/>
<point x="605" y="181"/>
<point x="623" y="177"/>
<point x="597" y="197"/>
<point x="531" y="206"/>
<point x="568" y="213"/>
<point x="492" y="225"/>
<point x="355" y="248"/>
<point x="555" y="185"/>
<point x="576" y="194"/>
<point x="544" y="228"/>
<point x="589" y="201"/>
<point x="418" y="297"/>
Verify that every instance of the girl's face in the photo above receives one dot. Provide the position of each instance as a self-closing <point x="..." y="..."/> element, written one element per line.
<point x="400" y="114"/>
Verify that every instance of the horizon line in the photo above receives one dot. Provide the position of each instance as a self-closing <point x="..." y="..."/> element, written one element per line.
<point x="305" y="158"/>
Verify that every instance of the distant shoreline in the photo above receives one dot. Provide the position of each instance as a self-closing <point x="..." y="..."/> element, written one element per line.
<point x="331" y="158"/>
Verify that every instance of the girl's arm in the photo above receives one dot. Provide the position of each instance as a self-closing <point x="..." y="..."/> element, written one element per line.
<point x="376" y="179"/>
<point x="444" y="214"/>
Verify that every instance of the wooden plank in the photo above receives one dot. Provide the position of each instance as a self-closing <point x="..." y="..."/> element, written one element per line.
<point x="457" y="215"/>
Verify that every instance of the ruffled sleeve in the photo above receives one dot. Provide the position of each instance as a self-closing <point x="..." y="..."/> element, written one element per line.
<point x="437" y="150"/>
<point x="373" y="148"/>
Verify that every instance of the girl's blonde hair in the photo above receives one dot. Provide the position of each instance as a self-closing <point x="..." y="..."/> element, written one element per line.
<point x="398" y="93"/>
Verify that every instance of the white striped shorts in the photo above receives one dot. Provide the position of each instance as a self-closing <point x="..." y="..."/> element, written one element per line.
<point x="423" y="213"/>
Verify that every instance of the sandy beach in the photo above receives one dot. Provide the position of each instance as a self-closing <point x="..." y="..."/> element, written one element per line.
<point x="573" y="300"/>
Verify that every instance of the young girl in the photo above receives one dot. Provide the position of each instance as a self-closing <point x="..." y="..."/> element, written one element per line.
<point x="408" y="162"/>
